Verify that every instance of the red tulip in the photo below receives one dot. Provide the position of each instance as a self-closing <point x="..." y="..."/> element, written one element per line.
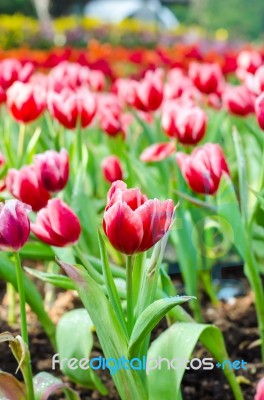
<point x="112" y="169"/>
<point x="24" y="184"/>
<point x="238" y="100"/>
<point x="2" y="95"/>
<point x="110" y="123"/>
<point x="57" y="225"/>
<point x="148" y="93"/>
<point x="25" y="101"/>
<point x="14" y="225"/>
<point x="208" y="78"/>
<point x="255" y="83"/>
<point x="53" y="169"/>
<point x="249" y="61"/>
<point x="204" y="168"/>
<point x="178" y="83"/>
<point x="158" y="152"/>
<point x="185" y="121"/>
<point x="260" y="390"/>
<point x="259" y="108"/>
<point x="12" y="70"/>
<point x="68" y="106"/>
<point x="133" y="223"/>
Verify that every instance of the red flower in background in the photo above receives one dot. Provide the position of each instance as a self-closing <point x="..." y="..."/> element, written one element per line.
<point x="24" y="184"/>
<point x="53" y="169"/>
<point x="68" y="106"/>
<point x="148" y="93"/>
<point x="184" y="121"/>
<point x="259" y="109"/>
<point x="2" y="95"/>
<point x="248" y="61"/>
<point x="133" y="223"/>
<point x="25" y="101"/>
<point x="57" y="225"/>
<point x="238" y="100"/>
<point x="158" y="152"/>
<point x="14" y="225"/>
<point x="11" y="70"/>
<point x="112" y="169"/>
<point x="204" y="168"/>
<point x="208" y="78"/>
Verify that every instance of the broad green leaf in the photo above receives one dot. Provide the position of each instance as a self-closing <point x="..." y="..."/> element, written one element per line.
<point x="109" y="331"/>
<point x="228" y="208"/>
<point x="33" y="297"/>
<point x="11" y="388"/>
<point x="178" y="342"/>
<point x="46" y="385"/>
<point x="149" y="318"/>
<point x="33" y="250"/>
<point x="77" y="344"/>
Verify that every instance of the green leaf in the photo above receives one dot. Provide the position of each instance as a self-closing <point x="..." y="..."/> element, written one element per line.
<point x="11" y="388"/>
<point x="109" y="331"/>
<point x="46" y="385"/>
<point x="57" y="280"/>
<point x="77" y="344"/>
<point x="228" y="208"/>
<point x="179" y="342"/>
<point x="110" y="284"/>
<point x="33" y="250"/>
<point x="149" y="318"/>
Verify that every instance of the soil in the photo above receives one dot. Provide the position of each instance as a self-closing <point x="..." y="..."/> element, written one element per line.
<point x="237" y="320"/>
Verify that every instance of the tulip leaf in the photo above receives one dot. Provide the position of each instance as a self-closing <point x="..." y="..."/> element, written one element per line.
<point x="46" y="385"/>
<point x="178" y="342"/>
<point x="19" y="349"/>
<point x="33" y="297"/>
<point x="110" y="284"/>
<point x="77" y="344"/>
<point x="37" y="250"/>
<point x="57" y="280"/>
<point x="11" y="388"/>
<point x="228" y="208"/>
<point x="108" y="329"/>
<point x="149" y="318"/>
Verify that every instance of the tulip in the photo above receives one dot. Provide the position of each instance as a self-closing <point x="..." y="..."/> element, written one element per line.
<point x="25" y="101"/>
<point x="185" y="122"/>
<point x="53" y="169"/>
<point x="260" y="390"/>
<point x="2" y="95"/>
<point x="249" y="61"/>
<point x="14" y="225"/>
<point x="112" y="169"/>
<point x="68" y="106"/>
<point x="259" y="108"/>
<point x="238" y="100"/>
<point x="11" y="70"/>
<point x="133" y="223"/>
<point x="158" y="152"/>
<point x="57" y="225"/>
<point x="203" y="169"/>
<point x="148" y="93"/>
<point x="208" y="78"/>
<point x="24" y="184"/>
<point x="255" y="83"/>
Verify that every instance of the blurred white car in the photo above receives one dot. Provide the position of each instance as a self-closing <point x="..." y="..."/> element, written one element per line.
<point x="118" y="10"/>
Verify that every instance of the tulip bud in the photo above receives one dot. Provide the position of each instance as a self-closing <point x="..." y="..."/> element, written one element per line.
<point x="24" y="184"/>
<point x="133" y="223"/>
<point x="112" y="169"/>
<point x="11" y="70"/>
<point x="203" y="169"/>
<point x="238" y="100"/>
<point x="14" y="225"/>
<point x="25" y="101"/>
<point x="158" y="152"/>
<point x="260" y="390"/>
<point x="208" y="78"/>
<point x="57" y="225"/>
<point x="148" y="93"/>
<point x="259" y="108"/>
<point x="53" y="169"/>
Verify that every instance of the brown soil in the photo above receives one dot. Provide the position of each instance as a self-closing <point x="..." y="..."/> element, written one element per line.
<point x="237" y="322"/>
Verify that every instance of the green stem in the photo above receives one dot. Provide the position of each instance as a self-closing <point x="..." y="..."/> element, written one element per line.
<point x="129" y="283"/>
<point x="24" y="331"/>
<point x="21" y="142"/>
<point x="206" y="278"/>
<point x="11" y="296"/>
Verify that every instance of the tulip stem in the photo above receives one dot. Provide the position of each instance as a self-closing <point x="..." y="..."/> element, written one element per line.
<point x="23" y="323"/>
<point x="21" y="142"/>
<point x="129" y="284"/>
